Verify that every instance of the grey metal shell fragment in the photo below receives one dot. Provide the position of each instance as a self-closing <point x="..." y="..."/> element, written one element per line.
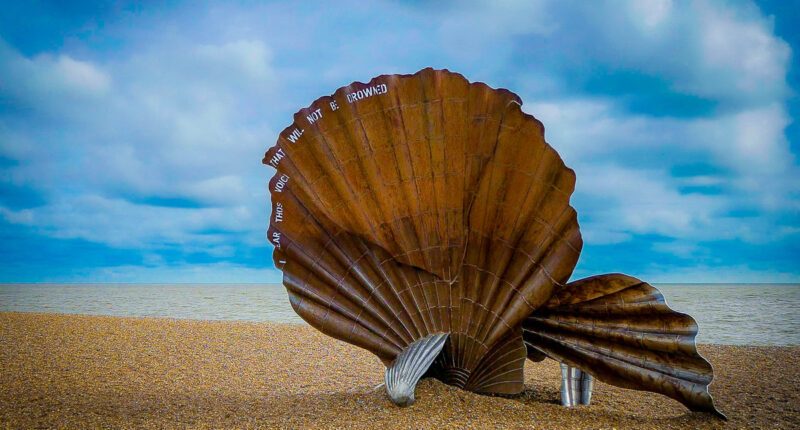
<point x="404" y="373"/>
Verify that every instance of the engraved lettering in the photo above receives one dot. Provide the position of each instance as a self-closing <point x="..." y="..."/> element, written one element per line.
<point x="281" y="183"/>
<point x="367" y="92"/>
<point x="315" y="116"/>
<point x="278" y="212"/>
<point x="276" y="238"/>
<point x="294" y="135"/>
<point x="277" y="157"/>
<point x="334" y="106"/>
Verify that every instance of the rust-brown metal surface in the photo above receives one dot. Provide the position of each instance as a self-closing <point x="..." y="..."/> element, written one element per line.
<point x="421" y="204"/>
<point x="620" y="330"/>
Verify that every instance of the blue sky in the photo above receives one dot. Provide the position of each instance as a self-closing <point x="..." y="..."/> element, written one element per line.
<point x="131" y="135"/>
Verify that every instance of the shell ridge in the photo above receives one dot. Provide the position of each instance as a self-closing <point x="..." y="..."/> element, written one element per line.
<point x="344" y="126"/>
<point x="319" y="322"/>
<point x="304" y="183"/>
<point x="440" y="219"/>
<point x="611" y="296"/>
<point x="429" y="325"/>
<point x="498" y="378"/>
<point x="446" y="241"/>
<point x="405" y="141"/>
<point x="375" y="183"/>
<point x="466" y="345"/>
<point x="361" y="289"/>
<point x="416" y="290"/>
<point x="534" y="263"/>
<point x="352" y="295"/>
<point x="521" y="234"/>
<point x="341" y="308"/>
<point x="490" y="372"/>
<point x="304" y="294"/>
<point x="371" y="189"/>
<point x="623" y="359"/>
<point x="327" y="149"/>
<point x="406" y="282"/>
<point x="402" y="319"/>
<point x="392" y="209"/>
<point x="632" y="359"/>
<point x="566" y="224"/>
<point x="335" y="161"/>
<point x="417" y="333"/>
<point x="593" y="288"/>
<point x="489" y="169"/>
<point x="555" y="227"/>
<point x="657" y="340"/>
<point x="484" y="241"/>
<point x="490" y="293"/>
<point x="472" y="357"/>
<point x="326" y="146"/>
<point x="544" y="251"/>
<point x="551" y="233"/>
<point x="628" y="357"/>
<point x="418" y="296"/>
<point x="370" y="289"/>
<point x="478" y="348"/>
<point x="428" y="126"/>
<point x="500" y="358"/>
<point x="423" y="240"/>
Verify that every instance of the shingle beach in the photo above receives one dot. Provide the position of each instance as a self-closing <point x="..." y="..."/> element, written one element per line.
<point x="75" y="371"/>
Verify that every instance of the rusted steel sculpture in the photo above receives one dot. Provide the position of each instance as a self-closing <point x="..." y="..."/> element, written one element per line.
<point x="424" y="218"/>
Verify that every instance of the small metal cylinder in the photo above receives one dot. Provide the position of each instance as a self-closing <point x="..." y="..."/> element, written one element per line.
<point x="576" y="386"/>
<point x="570" y="385"/>
<point x="587" y="384"/>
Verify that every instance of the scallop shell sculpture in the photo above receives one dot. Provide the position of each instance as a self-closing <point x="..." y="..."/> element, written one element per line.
<point x="425" y="219"/>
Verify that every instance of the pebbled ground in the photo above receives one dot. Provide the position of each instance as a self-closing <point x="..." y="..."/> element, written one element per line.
<point x="75" y="371"/>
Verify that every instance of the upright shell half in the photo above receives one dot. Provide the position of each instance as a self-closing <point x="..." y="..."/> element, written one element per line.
<point x="424" y="218"/>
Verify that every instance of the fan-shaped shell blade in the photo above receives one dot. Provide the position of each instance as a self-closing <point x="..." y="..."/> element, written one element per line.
<point x="620" y="330"/>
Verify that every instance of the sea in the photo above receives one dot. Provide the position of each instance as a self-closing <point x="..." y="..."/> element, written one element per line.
<point x="733" y="314"/>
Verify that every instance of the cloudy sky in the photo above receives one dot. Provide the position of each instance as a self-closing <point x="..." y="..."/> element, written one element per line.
<point x="131" y="136"/>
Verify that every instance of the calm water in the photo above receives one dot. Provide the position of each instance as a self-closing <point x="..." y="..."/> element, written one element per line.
<point x="753" y="314"/>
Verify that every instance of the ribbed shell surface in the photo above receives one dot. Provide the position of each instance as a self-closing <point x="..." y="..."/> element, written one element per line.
<point x="419" y="204"/>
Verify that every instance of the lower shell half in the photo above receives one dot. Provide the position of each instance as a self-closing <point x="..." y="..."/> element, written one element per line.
<point x="426" y="210"/>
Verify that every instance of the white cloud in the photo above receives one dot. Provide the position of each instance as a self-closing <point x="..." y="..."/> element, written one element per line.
<point x="488" y="26"/>
<point x="76" y="75"/>
<point x="53" y="85"/>
<point x="751" y="141"/>
<point x="121" y="223"/>
<point x="596" y="139"/>
<point x="178" y="127"/>
<point x="715" y="50"/>
<point x="739" y="53"/>
<point x="643" y="202"/>
<point x="250" y="57"/>
<point x="679" y="248"/>
<point x="186" y="119"/>
<point x="650" y="14"/>
<point x="581" y="128"/>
